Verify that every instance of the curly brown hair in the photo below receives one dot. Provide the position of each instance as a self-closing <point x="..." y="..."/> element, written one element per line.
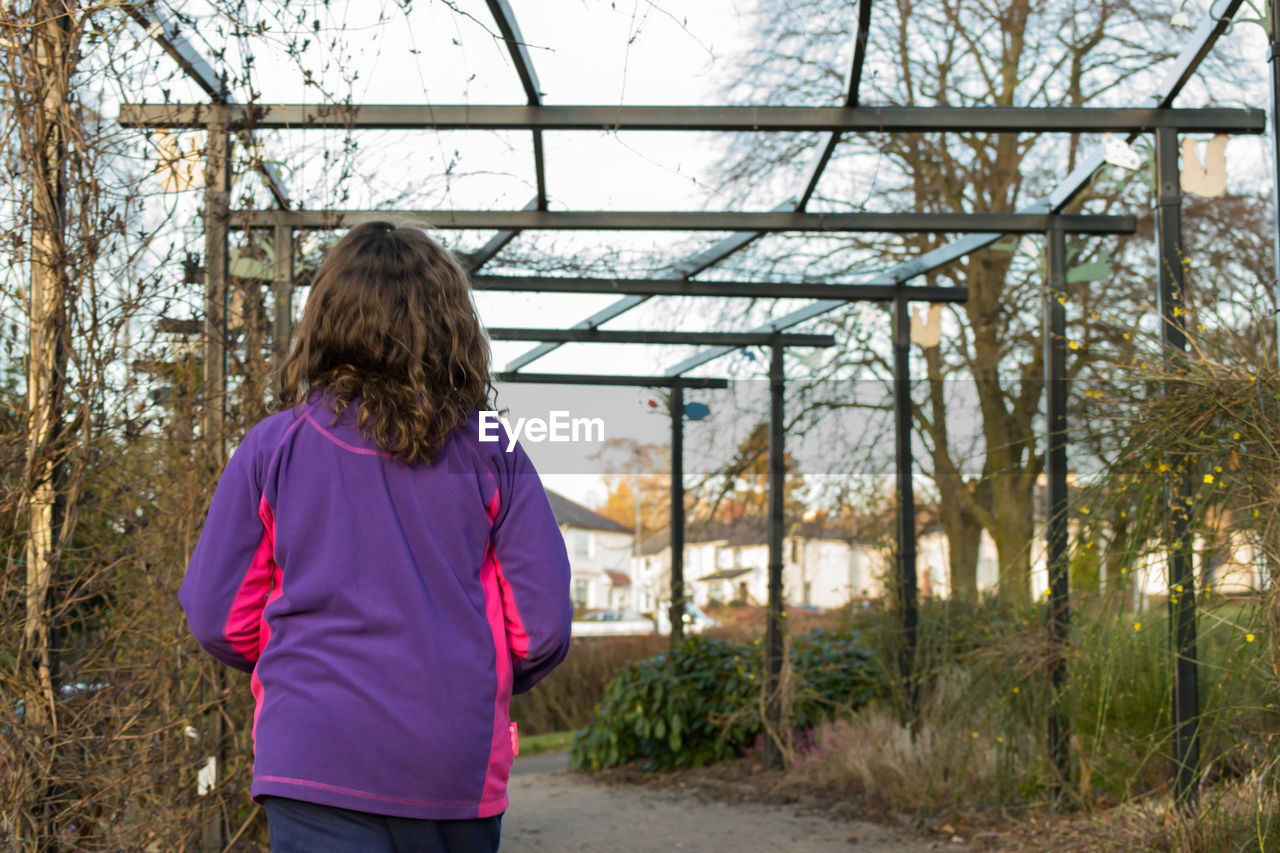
<point x="391" y="328"/>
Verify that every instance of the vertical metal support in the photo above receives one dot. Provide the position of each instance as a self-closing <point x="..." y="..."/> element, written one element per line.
<point x="217" y="196"/>
<point x="677" y="514"/>
<point x="1055" y="366"/>
<point x="282" y="288"/>
<point x="775" y="625"/>
<point x="906" y="579"/>
<point x="540" y="170"/>
<point x="1182" y="595"/>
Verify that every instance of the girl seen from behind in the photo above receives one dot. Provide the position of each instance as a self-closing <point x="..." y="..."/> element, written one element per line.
<point x="388" y="579"/>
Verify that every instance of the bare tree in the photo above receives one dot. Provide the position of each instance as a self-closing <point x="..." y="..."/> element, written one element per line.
<point x="966" y="53"/>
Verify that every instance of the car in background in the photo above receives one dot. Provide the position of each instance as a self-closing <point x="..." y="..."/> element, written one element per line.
<point x="612" y="623"/>
<point x="695" y="619"/>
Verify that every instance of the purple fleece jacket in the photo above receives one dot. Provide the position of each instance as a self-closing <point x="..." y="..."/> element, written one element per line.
<point x="386" y="611"/>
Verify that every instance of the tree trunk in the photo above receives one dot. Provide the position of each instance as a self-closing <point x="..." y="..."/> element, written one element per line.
<point x="1013" y="533"/>
<point x="960" y="518"/>
<point x="964" y="537"/>
<point x="49" y="61"/>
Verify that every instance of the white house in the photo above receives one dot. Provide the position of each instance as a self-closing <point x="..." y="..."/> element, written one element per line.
<point x="600" y="551"/>
<point x="826" y="566"/>
<point x="823" y="565"/>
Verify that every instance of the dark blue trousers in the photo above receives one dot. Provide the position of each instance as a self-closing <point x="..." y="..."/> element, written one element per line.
<point x="301" y="827"/>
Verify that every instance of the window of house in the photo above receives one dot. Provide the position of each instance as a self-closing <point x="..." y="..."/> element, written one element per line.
<point x="579" y="594"/>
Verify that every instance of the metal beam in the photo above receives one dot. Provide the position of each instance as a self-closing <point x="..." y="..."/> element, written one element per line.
<point x="506" y="20"/>
<point x="728" y="289"/>
<point x="860" y="31"/>
<point x="735" y="242"/>
<point x="649" y="220"/>
<point x="1183" y="67"/>
<point x="495" y="244"/>
<point x="168" y="34"/>
<point x="644" y="336"/>
<point x="690" y="266"/>
<point x="611" y="379"/>
<point x="609" y="118"/>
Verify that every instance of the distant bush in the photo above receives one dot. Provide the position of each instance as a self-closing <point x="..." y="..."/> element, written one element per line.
<point x="567" y="698"/>
<point x="700" y="702"/>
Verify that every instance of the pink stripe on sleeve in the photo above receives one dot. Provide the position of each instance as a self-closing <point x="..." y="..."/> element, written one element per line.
<point x="276" y="584"/>
<point x="517" y="636"/>
<point x="242" y="628"/>
<point x="500" y="755"/>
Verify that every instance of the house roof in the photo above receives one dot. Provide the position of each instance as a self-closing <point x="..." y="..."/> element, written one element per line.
<point x="571" y="514"/>
<point x="619" y="578"/>
<point x="725" y="574"/>
<point x="747" y="530"/>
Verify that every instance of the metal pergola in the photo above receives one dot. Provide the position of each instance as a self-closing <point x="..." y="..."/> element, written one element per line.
<point x="222" y="120"/>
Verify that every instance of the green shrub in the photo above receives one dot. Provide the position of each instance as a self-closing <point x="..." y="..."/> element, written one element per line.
<point x="700" y="702"/>
<point x="567" y="698"/>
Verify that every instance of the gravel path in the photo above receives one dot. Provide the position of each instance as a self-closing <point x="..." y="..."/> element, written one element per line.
<point x="553" y="810"/>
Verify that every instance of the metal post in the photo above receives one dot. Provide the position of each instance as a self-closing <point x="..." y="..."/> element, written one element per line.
<point x="906" y="580"/>
<point x="1182" y="597"/>
<point x="676" y="536"/>
<point x="217" y="195"/>
<point x="1055" y="365"/>
<point x="282" y="287"/>
<point x="775" y="626"/>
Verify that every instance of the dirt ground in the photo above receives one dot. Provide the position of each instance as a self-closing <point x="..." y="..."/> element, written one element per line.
<point x="553" y="810"/>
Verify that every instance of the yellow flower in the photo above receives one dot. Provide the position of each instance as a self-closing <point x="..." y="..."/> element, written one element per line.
<point x="1248" y="638"/>
<point x="1085" y="510"/>
<point x="999" y="739"/>
<point x="1073" y="345"/>
<point x="1137" y="626"/>
<point x="1208" y="478"/>
<point x="975" y="735"/>
<point x="1236" y="436"/>
<point x="1016" y="689"/>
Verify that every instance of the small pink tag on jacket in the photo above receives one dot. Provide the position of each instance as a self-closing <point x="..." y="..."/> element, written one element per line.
<point x="515" y="738"/>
